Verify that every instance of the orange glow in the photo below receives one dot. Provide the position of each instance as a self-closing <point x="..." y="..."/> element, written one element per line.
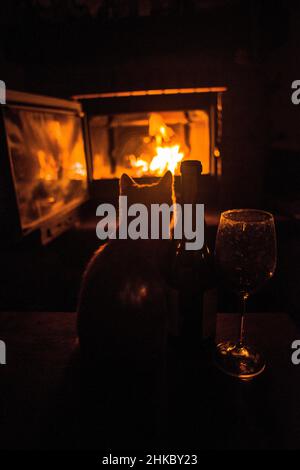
<point x="76" y="167"/>
<point x="162" y="130"/>
<point x="72" y="165"/>
<point x="48" y="166"/>
<point x="140" y="165"/>
<point x="77" y="171"/>
<point x="171" y="91"/>
<point x="166" y="156"/>
<point x="151" y="152"/>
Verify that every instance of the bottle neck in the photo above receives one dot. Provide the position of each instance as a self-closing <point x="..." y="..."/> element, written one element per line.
<point x="190" y="195"/>
<point x="190" y="184"/>
<point x="190" y="181"/>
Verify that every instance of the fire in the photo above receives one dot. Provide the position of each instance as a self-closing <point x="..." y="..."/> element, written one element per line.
<point x="77" y="171"/>
<point x="48" y="166"/>
<point x="142" y="153"/>
<point x="166" y="156"/>
<point x="141" y="165"/>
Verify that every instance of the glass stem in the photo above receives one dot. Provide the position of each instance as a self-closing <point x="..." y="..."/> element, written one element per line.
<point x="242" y="323"/>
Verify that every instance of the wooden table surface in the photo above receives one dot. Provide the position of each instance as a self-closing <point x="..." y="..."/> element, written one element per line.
<point x="47" y="402"/>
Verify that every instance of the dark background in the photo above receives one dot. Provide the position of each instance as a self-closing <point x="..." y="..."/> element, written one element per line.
<point x="61" y="48"/>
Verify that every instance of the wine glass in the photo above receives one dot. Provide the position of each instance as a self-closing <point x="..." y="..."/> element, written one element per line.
<point x="245" y="255"/>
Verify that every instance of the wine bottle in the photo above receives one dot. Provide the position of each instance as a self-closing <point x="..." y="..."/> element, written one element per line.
<point x="194" y="270"/>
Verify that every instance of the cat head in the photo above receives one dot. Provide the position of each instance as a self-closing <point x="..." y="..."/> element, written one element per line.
<point x="147" y="194"/>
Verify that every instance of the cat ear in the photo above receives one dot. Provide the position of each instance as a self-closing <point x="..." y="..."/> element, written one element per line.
<point x="125" y="183"/>
<point x="167" y="181"/>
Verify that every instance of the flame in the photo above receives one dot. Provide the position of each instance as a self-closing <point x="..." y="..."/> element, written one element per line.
<point x="163" y="130"/>
<point x="166" y="156"/>
<point x="48" y="166"/>
<point x="77" y="171"/>
<point x="76" y="167"/>
<point x="158" y="129"/>
<point x="141" y="165"/>
<point x="69" y="164"/>
<point x="151" y="154"/>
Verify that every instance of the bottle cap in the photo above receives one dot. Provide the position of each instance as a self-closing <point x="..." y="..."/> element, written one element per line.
<point x="191" y="165"/>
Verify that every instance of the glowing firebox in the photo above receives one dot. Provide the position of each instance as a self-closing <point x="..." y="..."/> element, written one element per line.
<point x="146" y="132"/>
<point x="149" y="144"/>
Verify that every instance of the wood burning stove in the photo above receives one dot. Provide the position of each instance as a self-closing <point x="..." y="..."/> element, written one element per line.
<point x="145" y="133"/>
<point x="56" y="152"/>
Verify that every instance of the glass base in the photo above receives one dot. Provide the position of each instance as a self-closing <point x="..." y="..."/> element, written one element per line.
<point x="239" y="360"/>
